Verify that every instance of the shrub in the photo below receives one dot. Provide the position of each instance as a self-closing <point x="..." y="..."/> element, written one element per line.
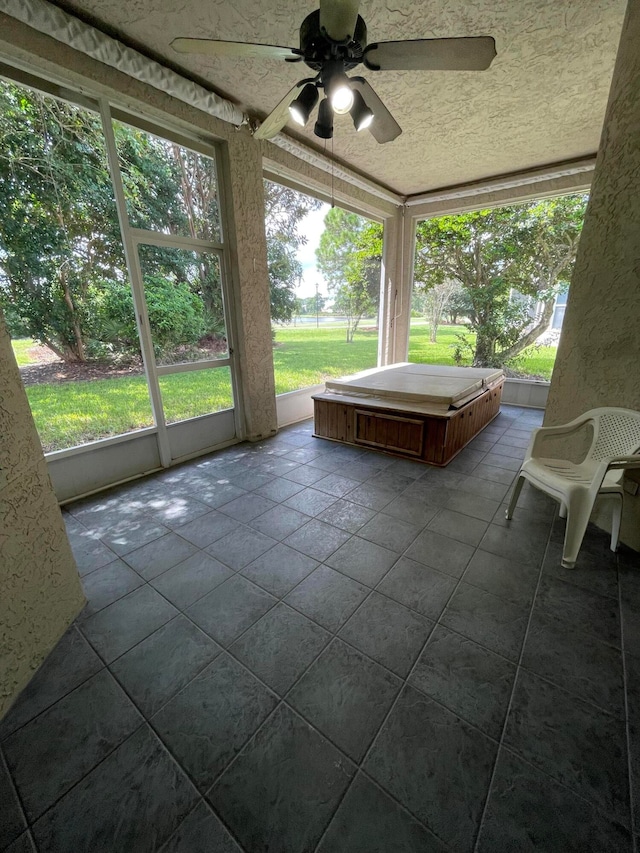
<point x="175" y="314"/>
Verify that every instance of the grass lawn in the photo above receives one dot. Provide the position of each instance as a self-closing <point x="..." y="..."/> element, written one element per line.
<point x="71" y="413"/>
<point x="21" y="349"/>
<point x="306" y="356"/>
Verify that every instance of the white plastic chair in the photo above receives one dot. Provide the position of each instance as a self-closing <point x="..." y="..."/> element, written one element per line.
<point x="614" y="448"/>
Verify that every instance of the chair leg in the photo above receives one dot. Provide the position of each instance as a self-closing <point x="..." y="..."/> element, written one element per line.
<point x="514" y="497"/>
<point x="578" y="513"/>
<point x="563" y="511"/>
<point x="615" y="522"/>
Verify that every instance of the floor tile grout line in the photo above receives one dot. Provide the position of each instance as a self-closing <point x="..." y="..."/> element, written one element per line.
<point x="627" y="723"/>
<point x="565" y="787"/>
<point x="510" y="703"/>
<point x="376" y="784"/>
<point x="564" y="689"/>
<point x="239" y="570"/>
<point x="202" y="797"/>
<point x="76" y="628"/>
<point x="175" y="530"/>
<point x="12" y="784"/>
<point x="142" y="722"/>
<point x="334" y="634"/>
<point x="146" y="716"/>
<point x="184" y="819"/>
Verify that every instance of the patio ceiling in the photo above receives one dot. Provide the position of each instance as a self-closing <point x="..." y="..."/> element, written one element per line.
<point x="541" y="102"/>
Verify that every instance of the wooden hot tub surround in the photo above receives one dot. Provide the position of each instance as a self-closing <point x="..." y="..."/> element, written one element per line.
<point x="432" y="432"/>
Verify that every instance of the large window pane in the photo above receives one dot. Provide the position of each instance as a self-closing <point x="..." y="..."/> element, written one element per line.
<point x="168" y="188"/>
<point x="324" y="271"/>
<point x="490" y="286"/>
<point x="196" y="392"/>
<point x="72" y="412"/>
<point x="63" y="283"/>
<point x="183" y="291"/>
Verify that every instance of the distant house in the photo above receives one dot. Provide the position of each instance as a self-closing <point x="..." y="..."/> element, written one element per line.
<point x="536" y="308"/>
<point x="559" y="309"/>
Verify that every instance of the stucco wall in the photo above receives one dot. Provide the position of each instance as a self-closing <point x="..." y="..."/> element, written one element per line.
<point x="598" y="361"/>
<point x="40" y="592"/>
<point x="248" y="251"/>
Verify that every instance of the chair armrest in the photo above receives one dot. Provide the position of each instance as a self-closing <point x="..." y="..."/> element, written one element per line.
<point x="539" y="434"/>
<point x="612" y="463"/>
<point x="617" y="462"/>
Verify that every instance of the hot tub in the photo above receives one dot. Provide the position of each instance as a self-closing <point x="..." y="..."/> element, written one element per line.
<point x="419" y="411"/>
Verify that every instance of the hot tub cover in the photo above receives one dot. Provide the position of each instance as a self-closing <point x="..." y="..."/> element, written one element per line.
<point x="417" y="383"/>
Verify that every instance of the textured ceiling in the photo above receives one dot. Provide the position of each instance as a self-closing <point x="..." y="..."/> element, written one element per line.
<point x="542" y="101"/>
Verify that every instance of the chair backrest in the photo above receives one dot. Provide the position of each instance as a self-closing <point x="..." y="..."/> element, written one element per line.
<point x="615" y="431"/>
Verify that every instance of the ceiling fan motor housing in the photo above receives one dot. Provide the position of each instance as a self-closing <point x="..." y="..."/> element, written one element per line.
<point x="317" y="48"/>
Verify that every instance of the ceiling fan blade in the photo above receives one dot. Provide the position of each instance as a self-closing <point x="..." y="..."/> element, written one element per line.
<point x="383" y="128"/>
<point x="239" y="49"/>
<point x="338" y="18"/>
<point x="278" y="117"/>
<point x="459" y="54"/>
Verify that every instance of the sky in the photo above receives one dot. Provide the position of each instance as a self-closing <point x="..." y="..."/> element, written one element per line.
<point x="312" y="226"/>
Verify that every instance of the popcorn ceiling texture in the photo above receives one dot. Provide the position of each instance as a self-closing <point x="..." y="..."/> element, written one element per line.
<point x="40" y="592"/>
<point x="542" y="100"/>
<point x="44" y="54"/>
<point x="598" y="359"/>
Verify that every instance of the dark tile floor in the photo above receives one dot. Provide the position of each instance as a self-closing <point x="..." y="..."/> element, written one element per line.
<point x="299" y="646"/>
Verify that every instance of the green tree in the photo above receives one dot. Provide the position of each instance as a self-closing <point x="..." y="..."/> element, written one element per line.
<point x="437" y="299"/>
<point x="285" y="210"/>
<point x="507" y="260"/>
<point x="60" y="243"/>
<point x="174" y="190"/>
<point x="458" y="305"/>
<point x="59" y="232"/>
<point x="350" y="257"/>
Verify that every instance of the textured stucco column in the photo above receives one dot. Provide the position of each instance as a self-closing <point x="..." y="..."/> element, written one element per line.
<point x="598" y="362"/>
<point x="395" y="305"/>
<point x="40" y="591"/>
<point x="251" y="286"/>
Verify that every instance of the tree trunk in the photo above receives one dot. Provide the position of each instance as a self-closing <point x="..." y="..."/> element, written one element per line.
<point x="71" y="353"/>
<point x="485" y="346"/>
<point x="533" y="334"/>
<point x="66" y="353"/>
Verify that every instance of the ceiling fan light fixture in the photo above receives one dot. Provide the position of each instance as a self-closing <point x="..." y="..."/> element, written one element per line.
<point x="360" y="113"/>
<point x="338" y="88"/>
<point x="341" y="97"/>
<point x="324" y="124"/>
<point x="304" y="104"/>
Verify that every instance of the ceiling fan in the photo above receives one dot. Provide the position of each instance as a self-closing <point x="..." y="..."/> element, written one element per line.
<point x="333" y="40"/>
